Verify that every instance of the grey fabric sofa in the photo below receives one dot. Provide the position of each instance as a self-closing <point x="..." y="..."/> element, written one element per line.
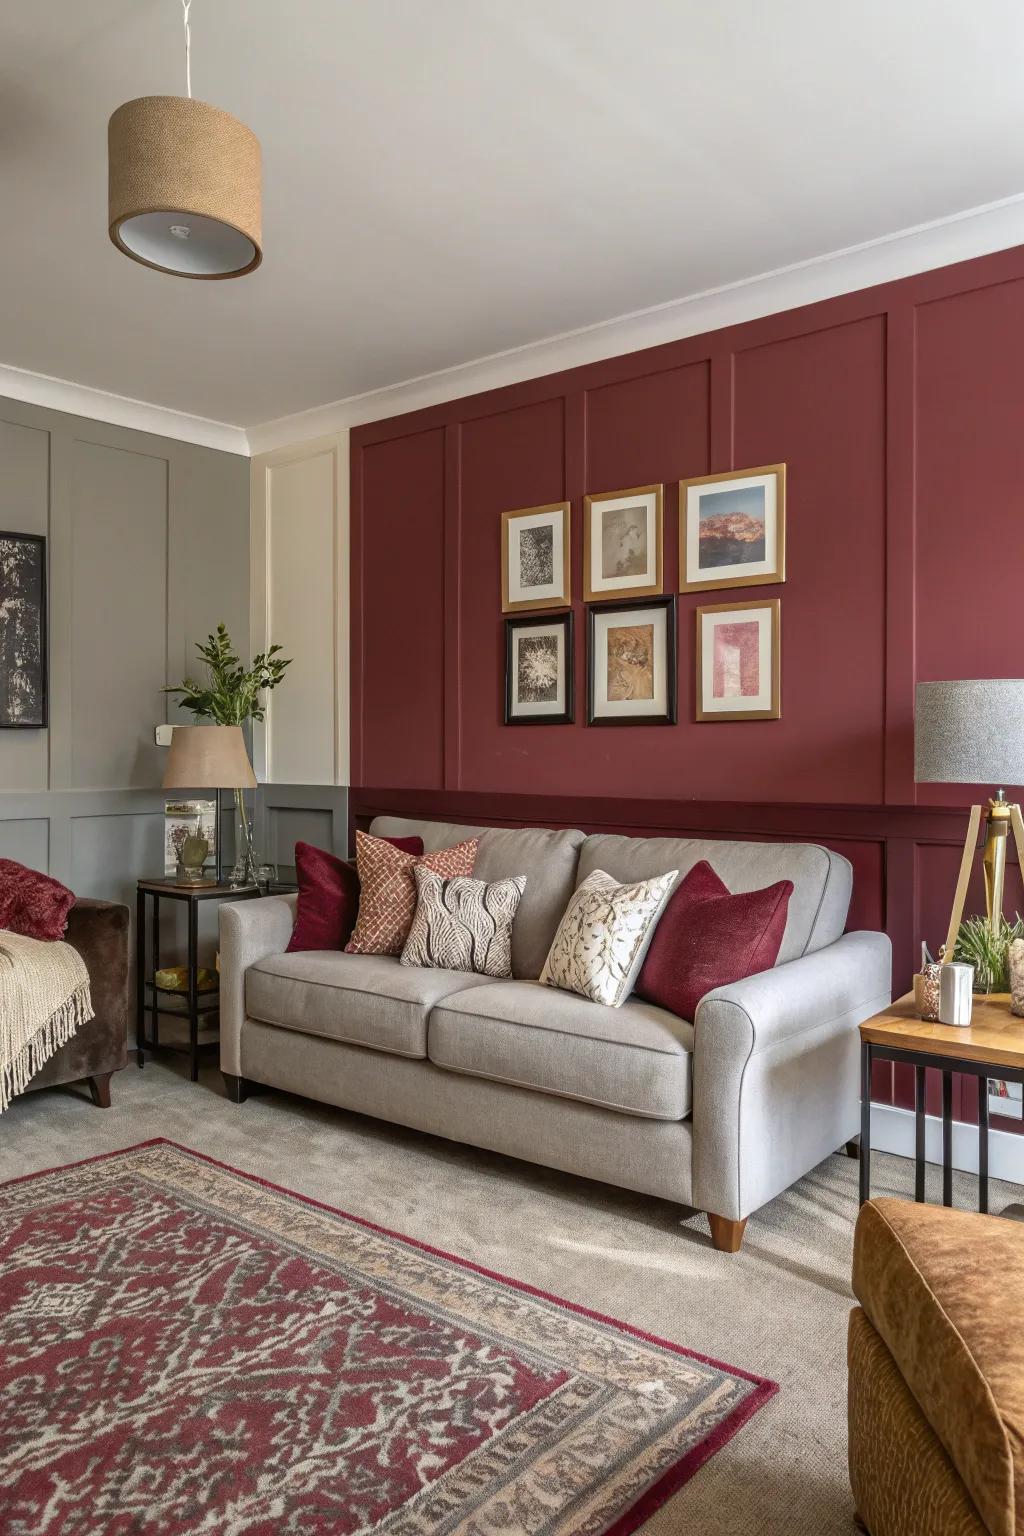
<point x="722" y="1114"/>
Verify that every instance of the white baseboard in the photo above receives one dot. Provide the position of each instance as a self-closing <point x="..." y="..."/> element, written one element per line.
<point x="892" y="1130"/>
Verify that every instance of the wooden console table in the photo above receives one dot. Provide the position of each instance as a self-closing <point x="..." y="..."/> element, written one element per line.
<point x="992" y="1045"/>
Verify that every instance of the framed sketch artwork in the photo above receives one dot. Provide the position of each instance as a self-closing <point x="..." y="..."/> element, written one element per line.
<point x="535" y="558"/>
<point x="538" y="671"/>
<point x="738" y="661"/>
<point x="732" y="529"/>
<point x="23" y="683"/>
<point x="631" y="663"/>
<point x="622" y="544"/>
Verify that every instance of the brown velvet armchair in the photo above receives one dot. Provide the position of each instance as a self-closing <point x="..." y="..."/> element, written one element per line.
<point x="99" y="931"/>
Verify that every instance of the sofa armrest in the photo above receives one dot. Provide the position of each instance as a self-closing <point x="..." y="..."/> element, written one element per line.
<point x="776" y="1082"/>
<point x="99" y="932"/>
<point x="249" y="931"/>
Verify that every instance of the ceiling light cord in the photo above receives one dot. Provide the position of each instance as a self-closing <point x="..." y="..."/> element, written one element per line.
<point x="186" y="6"/>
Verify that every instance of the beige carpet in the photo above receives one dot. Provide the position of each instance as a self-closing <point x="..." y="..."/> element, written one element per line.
<point x="778" y="1308"/>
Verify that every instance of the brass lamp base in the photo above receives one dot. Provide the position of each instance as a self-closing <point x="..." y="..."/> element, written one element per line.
<point x="1000" y="816"/>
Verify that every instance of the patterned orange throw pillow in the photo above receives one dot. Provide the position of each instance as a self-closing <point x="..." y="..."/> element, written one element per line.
<point x="387" y="890"/>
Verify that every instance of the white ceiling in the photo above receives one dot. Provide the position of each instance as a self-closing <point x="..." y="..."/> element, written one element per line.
<point x="446" y="179"/>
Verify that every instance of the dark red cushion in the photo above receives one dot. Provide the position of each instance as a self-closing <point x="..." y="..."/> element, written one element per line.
<point x="709" y="938"/>
<point x="329" y="895"/>
<point x="32" y="903"/>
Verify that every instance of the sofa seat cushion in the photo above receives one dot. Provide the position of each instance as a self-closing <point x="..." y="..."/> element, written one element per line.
<point x="636" y="1059"/>
<point x="367" y="1000"/>
<point x="944" y="1290"/>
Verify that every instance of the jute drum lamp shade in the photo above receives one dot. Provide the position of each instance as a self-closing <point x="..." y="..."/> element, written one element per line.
<point x="184" y="187"/>
<point x="208" y="757"/>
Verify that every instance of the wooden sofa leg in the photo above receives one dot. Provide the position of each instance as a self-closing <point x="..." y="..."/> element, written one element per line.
<point x="236" y="1088"/>
<point x="99" y="1087"/>
<point x="852" y="1148"/>
<point x="725" y="1234"/>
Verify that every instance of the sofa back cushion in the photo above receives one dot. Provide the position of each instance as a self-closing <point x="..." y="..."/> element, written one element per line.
<point x="822" y="880"/>
<point x="547" y="859"/>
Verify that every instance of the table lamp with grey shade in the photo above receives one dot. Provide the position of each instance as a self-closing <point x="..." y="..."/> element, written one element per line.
<point x="214" y="757"/>
<point x="972" y="732"/>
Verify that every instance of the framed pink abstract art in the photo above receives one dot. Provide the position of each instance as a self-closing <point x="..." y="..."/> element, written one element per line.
<point x="738" y="661"/>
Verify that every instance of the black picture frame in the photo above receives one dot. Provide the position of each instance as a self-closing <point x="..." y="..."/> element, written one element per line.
<point x="39" y="720"/>
<point x="542" y="621"/>
<point x="636" y="605"/>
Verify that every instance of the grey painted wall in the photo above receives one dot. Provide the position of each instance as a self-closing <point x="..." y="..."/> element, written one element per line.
<point x="148" y="549"/>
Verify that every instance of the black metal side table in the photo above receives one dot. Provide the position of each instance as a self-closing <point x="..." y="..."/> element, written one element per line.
<point x="148" y="994"/>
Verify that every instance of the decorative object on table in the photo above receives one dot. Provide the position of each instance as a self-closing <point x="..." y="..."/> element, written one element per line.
<point x="539" y="680"/>
<point x="23" y="681"/>
<point x="463" y="924"/>
<point x="266" y="877"/>
<point x="926" y="991"/>
<point x="374" y="1358"/>
<point x="44" y="997"/>
<point x="986" y="946"/>
<point x="622" y="544"/>
<point x="174" y="978"/>
<point x="732" y="529"/>
<point x="603" y="936"/>
<point x="535" y="558"/>
<point x="231" y="696"/>
<point x="387" y="890"/>
<point x="184" y="184"/>
<point x="1015" y="960"/>
<point x="192" y="822"/>
<point x="710" y="937"/>
<point x="955" y="994"/>
<point x="31" y="903"/>
<point x="969" y="732"/>
<point x="631" y="663"/>
<point x="738" y="661"/>
<point x="328" y="897"/>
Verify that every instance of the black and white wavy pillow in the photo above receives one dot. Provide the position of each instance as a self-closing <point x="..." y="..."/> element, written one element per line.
<point x="462" y="924"/>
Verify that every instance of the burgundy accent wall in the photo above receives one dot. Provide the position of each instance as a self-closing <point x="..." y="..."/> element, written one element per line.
<point x="897" y="410"/>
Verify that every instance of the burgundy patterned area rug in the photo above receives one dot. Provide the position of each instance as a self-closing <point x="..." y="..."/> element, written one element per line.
<point x="187" y="1349"/>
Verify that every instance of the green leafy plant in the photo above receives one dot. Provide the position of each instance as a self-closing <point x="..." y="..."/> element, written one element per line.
<point x="232" y="694"/>
<point x="988" y="951"/>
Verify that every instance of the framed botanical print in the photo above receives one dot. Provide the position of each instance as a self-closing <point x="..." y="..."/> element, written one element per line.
<point x="738" y="661"/>
<point x="23" y="681"/>
<point x="539" y="671"/>
<point x="732" y="529"/>
<point x="535" y="558"/>
<point x="631" y="663"/>
<point x="622" y="544"/>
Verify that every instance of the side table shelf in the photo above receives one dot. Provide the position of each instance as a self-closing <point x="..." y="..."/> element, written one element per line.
<point x="193" y="1005"/>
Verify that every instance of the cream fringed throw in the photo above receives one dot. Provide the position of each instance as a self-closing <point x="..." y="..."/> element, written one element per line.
<point x="44" y="997"/>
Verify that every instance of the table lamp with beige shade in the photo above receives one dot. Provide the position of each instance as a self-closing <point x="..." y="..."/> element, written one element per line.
<point x="972" y="732"/>
<point x="214" y="757"/>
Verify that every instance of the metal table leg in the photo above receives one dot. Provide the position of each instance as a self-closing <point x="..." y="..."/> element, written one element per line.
<point x="983" y="1145"/>
<point x="155" y="1037"/>
<point x="919" y="1129"/>
<point x="865" y="1121"/>
<point x="947" y="1137"/>
<point x="140" y="978"/>
<point x="193" y="989"/>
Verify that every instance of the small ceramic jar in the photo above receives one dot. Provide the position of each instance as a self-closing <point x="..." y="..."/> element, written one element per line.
<point x="926" y="990"/>
<point x="1017" y="977"/>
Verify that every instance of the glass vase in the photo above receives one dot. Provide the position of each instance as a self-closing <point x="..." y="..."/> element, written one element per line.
<point x="243" y="871"/>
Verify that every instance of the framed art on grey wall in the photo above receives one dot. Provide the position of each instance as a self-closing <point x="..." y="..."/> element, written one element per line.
<point x="23" y="688"/>
<point x="631" y="663"/>
<point x="539" y="671"/>
<point x="732" y="529"/>
<point x="622" y="544"/>
<point x="535" y="558"/>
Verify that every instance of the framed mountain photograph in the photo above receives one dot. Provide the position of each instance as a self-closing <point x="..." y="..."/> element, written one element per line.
<point x="622" y="544"/>
<point x="23" y="683"/>
<point x="732" y="529"/>
<point x="539" y="671"/>
<point x="631" y="663"/>
<point x="535" y="558"/>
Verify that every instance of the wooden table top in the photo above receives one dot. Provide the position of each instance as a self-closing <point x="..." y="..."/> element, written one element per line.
<point x="994" y="1035"/>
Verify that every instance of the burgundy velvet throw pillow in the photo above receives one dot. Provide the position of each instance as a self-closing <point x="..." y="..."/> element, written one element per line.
<point x="708" y="938"/>
<point x="31" y="903"/>
<point x="325" y="914"/>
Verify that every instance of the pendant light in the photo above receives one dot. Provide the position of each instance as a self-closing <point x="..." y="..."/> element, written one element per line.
<point x="184" y="184"/>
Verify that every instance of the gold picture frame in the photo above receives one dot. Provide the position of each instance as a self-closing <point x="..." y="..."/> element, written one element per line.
<point x="624" y="542"/>
<point x="556" y="592"/>
<point x="750" y="497"/>
<point x="767" y="703"/>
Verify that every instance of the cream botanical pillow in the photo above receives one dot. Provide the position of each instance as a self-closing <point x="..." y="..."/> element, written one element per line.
<point x="462" y="924"/>
<point x="603" y="936"/>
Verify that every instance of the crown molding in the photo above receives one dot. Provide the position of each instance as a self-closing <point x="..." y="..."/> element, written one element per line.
<point x="958" y="237"/>
<point x="120" y="410"/>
